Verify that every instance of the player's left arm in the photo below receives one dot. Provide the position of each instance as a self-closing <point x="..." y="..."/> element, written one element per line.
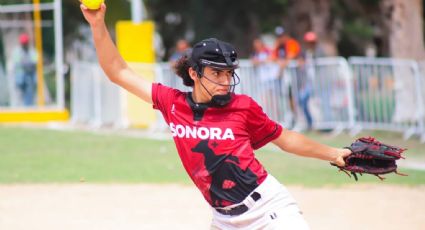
<point x="299" y="144"/>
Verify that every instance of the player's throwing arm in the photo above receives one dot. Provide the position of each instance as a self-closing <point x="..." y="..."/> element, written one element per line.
<point x="110" y="59"/>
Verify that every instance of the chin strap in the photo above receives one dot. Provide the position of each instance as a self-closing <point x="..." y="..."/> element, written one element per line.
<point x="218" y="100"/>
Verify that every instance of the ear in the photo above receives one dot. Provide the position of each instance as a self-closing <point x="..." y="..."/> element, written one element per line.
<point x="193" y="74"/>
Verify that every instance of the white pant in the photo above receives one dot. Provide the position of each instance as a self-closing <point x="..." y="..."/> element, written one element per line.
<point x="276" y="209"/>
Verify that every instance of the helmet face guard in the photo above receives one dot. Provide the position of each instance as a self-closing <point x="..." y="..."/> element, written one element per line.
<point x="220" y="100"/>
<point x="234" y="82"/>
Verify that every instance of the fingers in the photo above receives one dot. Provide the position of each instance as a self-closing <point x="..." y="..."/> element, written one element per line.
<point x="346" y="152"/>
<point x="340" y="155"/>
<point x="86" y="9"/>
<point x="103" y="8"/>
<point x="83" y="7"/>
<point x="341" y="162"/>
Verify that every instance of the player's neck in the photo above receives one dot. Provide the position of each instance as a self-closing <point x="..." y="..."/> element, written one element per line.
<point x="200" y="96"/>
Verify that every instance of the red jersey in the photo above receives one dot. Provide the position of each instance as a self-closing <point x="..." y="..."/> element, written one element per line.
<point x="216" y="144"/>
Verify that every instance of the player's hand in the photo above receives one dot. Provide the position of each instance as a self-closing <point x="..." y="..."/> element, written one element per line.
<point x="94" y="17"/>
<point x="341" y="154"/>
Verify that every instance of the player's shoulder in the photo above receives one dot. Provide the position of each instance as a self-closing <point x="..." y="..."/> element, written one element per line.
<point x="166" y="89"/>
<point x="166" y="95"/>
<point x="242" y="101"/>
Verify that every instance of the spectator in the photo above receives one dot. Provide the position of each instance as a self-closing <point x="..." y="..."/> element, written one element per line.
<point x="24" y="60"/>
<point x="264" y="71"/>
<point x="261" y="53"/>
<point x="261" y="60"/>
<point x="312" y="49"/>
<point x="180" y="48"/>
<point x="324" y="89"/>
<point x="305" y="75"/>
<point x="286" y="49"/>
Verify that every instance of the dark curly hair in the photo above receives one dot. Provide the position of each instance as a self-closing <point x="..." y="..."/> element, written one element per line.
<point x="181" y="68"/>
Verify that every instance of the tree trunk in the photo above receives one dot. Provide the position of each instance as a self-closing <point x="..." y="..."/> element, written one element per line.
<point x="324" y="26"/>
<point x="404" y="19"/>
<point x="315" y="15"/>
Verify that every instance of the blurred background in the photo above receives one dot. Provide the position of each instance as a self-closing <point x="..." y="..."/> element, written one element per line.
<point x="328" y="65"/>
<point x="77" y="152"/>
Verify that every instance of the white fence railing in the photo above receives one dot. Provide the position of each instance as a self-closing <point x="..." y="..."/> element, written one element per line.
<point x="388" y="95"/>
<point x="94" y="99"/>
<point x="422" y="87"/>
<point x="361" y="93"/>
<point x="4" y="88"/>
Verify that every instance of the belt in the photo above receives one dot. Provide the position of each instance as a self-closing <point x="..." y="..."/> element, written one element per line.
<point x="237" y="210"/>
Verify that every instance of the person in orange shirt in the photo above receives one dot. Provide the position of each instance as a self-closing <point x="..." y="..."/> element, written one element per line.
<point x="286" y="49"/>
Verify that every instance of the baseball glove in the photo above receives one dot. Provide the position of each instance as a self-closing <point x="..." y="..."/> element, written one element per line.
<point x="372" y="157"/>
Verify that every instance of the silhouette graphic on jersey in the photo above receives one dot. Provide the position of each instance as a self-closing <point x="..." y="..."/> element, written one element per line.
<point x="229" y="183"/>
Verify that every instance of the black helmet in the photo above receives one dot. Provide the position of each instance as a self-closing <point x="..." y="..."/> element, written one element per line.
<point x="215" y="53"/>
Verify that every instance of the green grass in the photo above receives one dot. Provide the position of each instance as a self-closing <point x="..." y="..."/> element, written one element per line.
<point x="290" y="169"/>
<point x="29" y="155"/>
<point x="44" y="156"/>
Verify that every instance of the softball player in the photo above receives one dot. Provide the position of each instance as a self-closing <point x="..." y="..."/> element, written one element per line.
<point x="217" y="131"/>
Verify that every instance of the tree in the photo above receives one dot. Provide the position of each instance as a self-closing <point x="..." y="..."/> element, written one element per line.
<point x="404" y="21"/>
<point x="315" y="15"/>
<point x="236" y="21"/>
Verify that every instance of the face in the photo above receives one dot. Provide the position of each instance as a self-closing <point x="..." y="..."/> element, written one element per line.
<point x="216" y="81"/>
<point x="258" y="45"/>
<point x="25" y="45"/>
<point x="182" y="45"/>
<point x="283" y="38"/>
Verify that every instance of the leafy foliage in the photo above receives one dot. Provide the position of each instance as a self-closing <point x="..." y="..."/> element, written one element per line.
<point x="238" y="21"/>
<point x="235" y="21"/>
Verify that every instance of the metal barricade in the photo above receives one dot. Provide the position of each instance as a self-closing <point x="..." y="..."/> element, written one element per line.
<point x="94" y="99"/>
<point x="421" y="66"/>
<point x="387" y="95"/>
<point x="319" y="90"/>
<point x="166" y="76"/>
<point x="322" y="87"/>
<point x="364" y="93"/>
<point x="4" y="88"/>
<point x="277" y="91"/>
<point x="267" y="85"/>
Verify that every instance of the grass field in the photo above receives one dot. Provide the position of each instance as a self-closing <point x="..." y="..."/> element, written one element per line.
<point x="31" y="155"/>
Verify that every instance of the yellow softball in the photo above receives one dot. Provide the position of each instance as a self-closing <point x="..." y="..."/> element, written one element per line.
<point x="92" y="4"/>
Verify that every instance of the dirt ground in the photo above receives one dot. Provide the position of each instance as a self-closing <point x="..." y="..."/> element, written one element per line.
<point x="127" y="207"/>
